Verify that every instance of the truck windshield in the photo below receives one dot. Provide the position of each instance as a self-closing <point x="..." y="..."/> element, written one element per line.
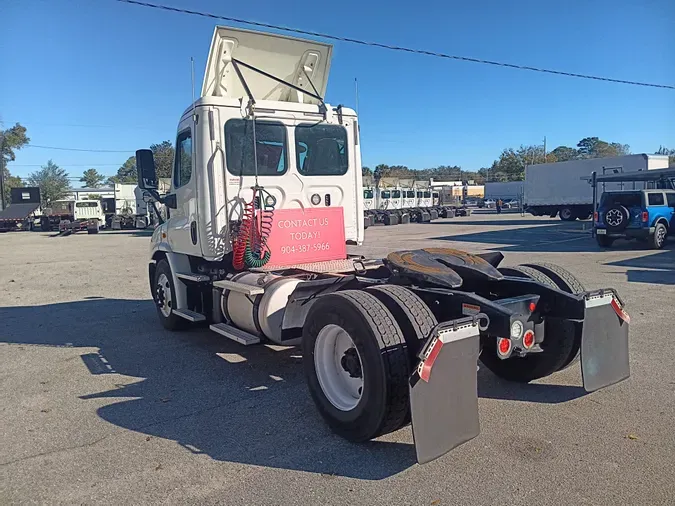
<point x="385" y="195"/>
<point x="427" y="195"/>
<point x="410" y="195"/>
<point x="623" y="199"/>
<point x="271" y="147"/>
<point x="396" y="194"/>
<point x="367" y="194"/>
<point x="321" y="150"/>
<point x="86" y="204"/>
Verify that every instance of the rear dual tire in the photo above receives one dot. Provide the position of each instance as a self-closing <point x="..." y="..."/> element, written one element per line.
<point x="385" y="326"/>
<point x="562" y="341"/>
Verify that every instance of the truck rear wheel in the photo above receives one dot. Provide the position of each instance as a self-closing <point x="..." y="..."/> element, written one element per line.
<point x="558" y="346"/>
<point x="412" y="315"/>
<point x="567" y="214"/>
<point x="356" y="365"/>
<point x="164" y="295"/>
<point x="569" y="283"/>
<point x="45" y="225"/>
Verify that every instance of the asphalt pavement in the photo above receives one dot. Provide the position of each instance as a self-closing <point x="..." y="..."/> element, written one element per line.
<point x="100" y="405"/>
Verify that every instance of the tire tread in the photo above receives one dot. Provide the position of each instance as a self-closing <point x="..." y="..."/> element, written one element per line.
<point x="390" y="338"/>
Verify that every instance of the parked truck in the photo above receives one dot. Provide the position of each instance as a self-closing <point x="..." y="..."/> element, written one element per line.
<point x="254" y="246"/>
<point x="127" y="209"/>
<point x="559" y="188"/>
<point x="69" y="216"/>
<point x="23" y="210"/>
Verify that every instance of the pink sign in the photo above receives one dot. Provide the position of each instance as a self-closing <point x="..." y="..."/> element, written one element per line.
<point x="301" y="236"/>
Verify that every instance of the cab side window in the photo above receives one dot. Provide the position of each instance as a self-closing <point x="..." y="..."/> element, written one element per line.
<point x="182" y="170"/>
<point x="671" y="199"/>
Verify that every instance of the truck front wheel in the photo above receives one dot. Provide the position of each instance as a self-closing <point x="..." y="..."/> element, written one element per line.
<point x="356" y="365"/>
<point x="164" y="295"/>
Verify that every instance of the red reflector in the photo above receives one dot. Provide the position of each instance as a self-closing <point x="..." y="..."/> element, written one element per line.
<point x="619" y="311"/>
<point x="645" y="217"/>
<point x="533" y="306"/>
<point x="425" y="372"/>
<point x="504" y="345"/>
<point x="528" y="339"/>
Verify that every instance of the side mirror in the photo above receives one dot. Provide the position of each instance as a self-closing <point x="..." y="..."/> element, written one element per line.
<point x="145" y="165"/>
<point x="170" y="201"/>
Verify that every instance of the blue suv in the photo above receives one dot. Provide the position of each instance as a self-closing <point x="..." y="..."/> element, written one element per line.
<point x="646" y="215"/>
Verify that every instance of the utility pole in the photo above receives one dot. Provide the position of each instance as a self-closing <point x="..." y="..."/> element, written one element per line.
<point x="2" y="172"/>
<point x="544" y="149"/>
<point x="356" y="92"/>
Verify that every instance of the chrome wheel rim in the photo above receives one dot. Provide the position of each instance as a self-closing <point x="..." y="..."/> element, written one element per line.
<point x="164" y="301"/>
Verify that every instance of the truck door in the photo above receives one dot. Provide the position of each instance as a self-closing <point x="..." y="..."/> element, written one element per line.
<point x="183" y="230"/>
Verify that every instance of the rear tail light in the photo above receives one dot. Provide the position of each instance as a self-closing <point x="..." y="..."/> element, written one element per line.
<point x="645" y="217"/>
<point x="595" y="217"/>
<point x="504" y="346"/>
<point x="528" y="339"/>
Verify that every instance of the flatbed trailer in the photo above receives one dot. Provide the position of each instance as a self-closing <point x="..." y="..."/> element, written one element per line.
<point x="255" y="248"/>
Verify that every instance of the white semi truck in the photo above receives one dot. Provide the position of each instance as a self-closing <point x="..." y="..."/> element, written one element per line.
<point x="266" y="192"/>
<point x="562" y="188"/>
<point x="127" y="209"/>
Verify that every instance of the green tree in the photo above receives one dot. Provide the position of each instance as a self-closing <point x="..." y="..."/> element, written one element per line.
<point x="665" y="151"/>
<point x="92" y="178"/>
<point x="163" y="154"/>
<point x="593" y="147"/>
<point x="562" y="154"/>
<point x="11" y="139"/>
<point x="94" y="196"/>
<point x="126" y="173"/>
<point x="10" y="182"/>
<point x="53" y="182"/>
<point x="365" y="171"/>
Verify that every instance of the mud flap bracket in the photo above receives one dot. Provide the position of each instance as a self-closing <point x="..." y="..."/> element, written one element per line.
<point x="604" y="341"/>
<point x="443" y="389"/>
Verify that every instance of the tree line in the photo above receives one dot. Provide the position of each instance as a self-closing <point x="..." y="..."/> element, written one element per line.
<point x="510" y="166"/>
<point x="55" y="182"/>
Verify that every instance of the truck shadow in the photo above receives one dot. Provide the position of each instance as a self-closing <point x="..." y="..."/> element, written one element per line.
<point x="561" y="237"/>
<point x="658" y="268"/>
<point x="215" y="397"/>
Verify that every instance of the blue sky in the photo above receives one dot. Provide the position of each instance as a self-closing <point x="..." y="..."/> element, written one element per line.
<point x="98" y="74"/>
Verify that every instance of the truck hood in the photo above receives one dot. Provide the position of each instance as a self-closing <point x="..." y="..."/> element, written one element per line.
<point x="286" y="58"/>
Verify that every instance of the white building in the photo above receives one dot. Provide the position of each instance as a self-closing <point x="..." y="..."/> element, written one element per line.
<point x="83" y="193"/>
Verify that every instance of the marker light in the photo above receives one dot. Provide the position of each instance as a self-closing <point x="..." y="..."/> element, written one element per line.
<point x="316" y="199"/>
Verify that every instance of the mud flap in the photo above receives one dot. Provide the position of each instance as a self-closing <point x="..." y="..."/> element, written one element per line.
<point x="443" y="390"/>
<point x="604" y="342"/>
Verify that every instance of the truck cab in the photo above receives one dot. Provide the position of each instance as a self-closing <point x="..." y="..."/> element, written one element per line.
<point x="645" y="215"/>
<point x="305" y="153"/>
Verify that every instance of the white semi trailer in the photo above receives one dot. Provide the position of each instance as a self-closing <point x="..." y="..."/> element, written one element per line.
<point x="562" y="188"/>
<point x="265" y="194"/>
